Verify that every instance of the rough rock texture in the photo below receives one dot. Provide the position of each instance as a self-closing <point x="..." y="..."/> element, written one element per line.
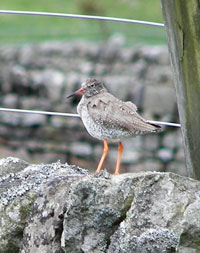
<point x="40" y="76"/>
<point x="143" y="212"/>
<point x="20" y="184"/>
<point x="60" y="208"/>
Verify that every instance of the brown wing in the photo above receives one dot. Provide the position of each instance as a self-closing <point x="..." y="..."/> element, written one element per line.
<point x="116" y="114"/>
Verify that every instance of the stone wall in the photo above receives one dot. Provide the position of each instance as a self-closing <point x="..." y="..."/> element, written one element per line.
<point x="39" y="77"/>
<point x="61" y="208"/>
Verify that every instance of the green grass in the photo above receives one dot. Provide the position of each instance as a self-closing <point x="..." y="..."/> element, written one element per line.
<point x="17" y="29"/>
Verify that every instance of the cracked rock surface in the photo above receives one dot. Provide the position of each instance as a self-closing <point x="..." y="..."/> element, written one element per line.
<point x="21" y="184"/>
<point x="68" y="210"/>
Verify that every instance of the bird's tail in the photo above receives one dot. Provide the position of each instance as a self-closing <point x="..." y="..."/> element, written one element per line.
<point x="156" y="128"/>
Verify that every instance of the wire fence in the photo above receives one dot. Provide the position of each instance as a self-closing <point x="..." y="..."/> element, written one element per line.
<point x="63" y="15"/>
<point x="89" y="17"/>
<point x="61" y="114"/>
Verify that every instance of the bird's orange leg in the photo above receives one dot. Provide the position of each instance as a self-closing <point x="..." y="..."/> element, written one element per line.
<point x="120" y="150"/>
<point x="105" y="152"/>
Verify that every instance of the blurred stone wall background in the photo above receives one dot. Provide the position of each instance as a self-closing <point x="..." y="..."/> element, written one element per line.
<point x="40" y="76"/>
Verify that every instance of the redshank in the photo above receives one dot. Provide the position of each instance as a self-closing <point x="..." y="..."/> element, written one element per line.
<point x="108" y="118"/>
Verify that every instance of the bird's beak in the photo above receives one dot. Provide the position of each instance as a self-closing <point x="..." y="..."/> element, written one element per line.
<point x="81" y="91"/>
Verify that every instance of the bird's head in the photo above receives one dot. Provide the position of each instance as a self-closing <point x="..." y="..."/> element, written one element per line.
<point x="89" y="88"/>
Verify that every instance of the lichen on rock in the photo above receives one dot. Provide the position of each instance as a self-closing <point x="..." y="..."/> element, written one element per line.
<point x="61" y="208"/>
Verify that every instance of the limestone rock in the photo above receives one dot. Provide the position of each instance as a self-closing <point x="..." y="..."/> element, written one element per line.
<point x="126" y="213"/>
<point x="165" y="154"/>
<point x="45" y="226"/>
<point x="33" y="120"/>
<point x="20" y="183"/>
<point x="75" y="212"/>
<point x="161" y="100"/>
<point x="11" y="165"/>
<point x="10" y="100"/>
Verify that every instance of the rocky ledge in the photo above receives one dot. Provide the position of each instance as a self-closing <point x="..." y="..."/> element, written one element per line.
<point x="61" y="208"/>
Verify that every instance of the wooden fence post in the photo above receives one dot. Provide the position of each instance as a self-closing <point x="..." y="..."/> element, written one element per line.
<point x="182" y="23"/>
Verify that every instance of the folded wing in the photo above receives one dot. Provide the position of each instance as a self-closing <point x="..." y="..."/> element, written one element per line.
<point x="116" y="114"/>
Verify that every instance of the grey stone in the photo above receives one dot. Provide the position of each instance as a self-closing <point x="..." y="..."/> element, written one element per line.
<point x="13" y="220"/>
<point x="165" y="154"/>
<point x="155" y="54"/>
<point x="31" y="120"/>
<point x="133" y="143"/>
<point x="159" y="100"/>
<point x="178" y="167"/>
<point x="54" y="80"/>
<point x="22" y="153"/>
<point x="6" y="84"/>
<point x="81" y="149"/>
<point x="119" y="85"/>
<point x="158" y="74"/>
<point x="11" y="119"/>
<point x="75" y="212"/>
<point x="135" y="216"/>
<point x="10" y="100"/>
<point x="130" y="156"/>
<point x="172" y="140"/>
<point x="87" y="68"/>
<point x="117" y="39"/>
<point x="43" y="232"/>
<point x="146" y="165"/>
<point x="20" y="183"/>
<point x="51" y="157"/>
<point x="11" y="165"/>
<point x="151" y="142"/>
<point x="190" y="234"/>
<point x="59" y="122"/>
<point x="8" y="53"/>
<point x="34" y="103"/>
<point x="27" y="55"/>
<point x="19" y="76"/>
<point x="180" y="155"/>
<point x="32" y="177"/>
<point x="109" y="53"/>
<point x="139" y="68"/>
<point x="68" y="122"/>
<point x="186" y="250"/>
<point x="53" y="49"/>
<point x="141" y="231"/>
<point x="101" y="69"/>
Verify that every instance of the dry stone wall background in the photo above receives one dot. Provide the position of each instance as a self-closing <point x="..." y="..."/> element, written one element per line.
<point x="40" y="76"/>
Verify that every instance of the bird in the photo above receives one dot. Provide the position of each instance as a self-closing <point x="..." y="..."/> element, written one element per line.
<point x="109" y="119"/>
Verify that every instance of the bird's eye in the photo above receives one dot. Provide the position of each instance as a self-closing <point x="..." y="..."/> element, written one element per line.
<point x="92" y="85"/>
